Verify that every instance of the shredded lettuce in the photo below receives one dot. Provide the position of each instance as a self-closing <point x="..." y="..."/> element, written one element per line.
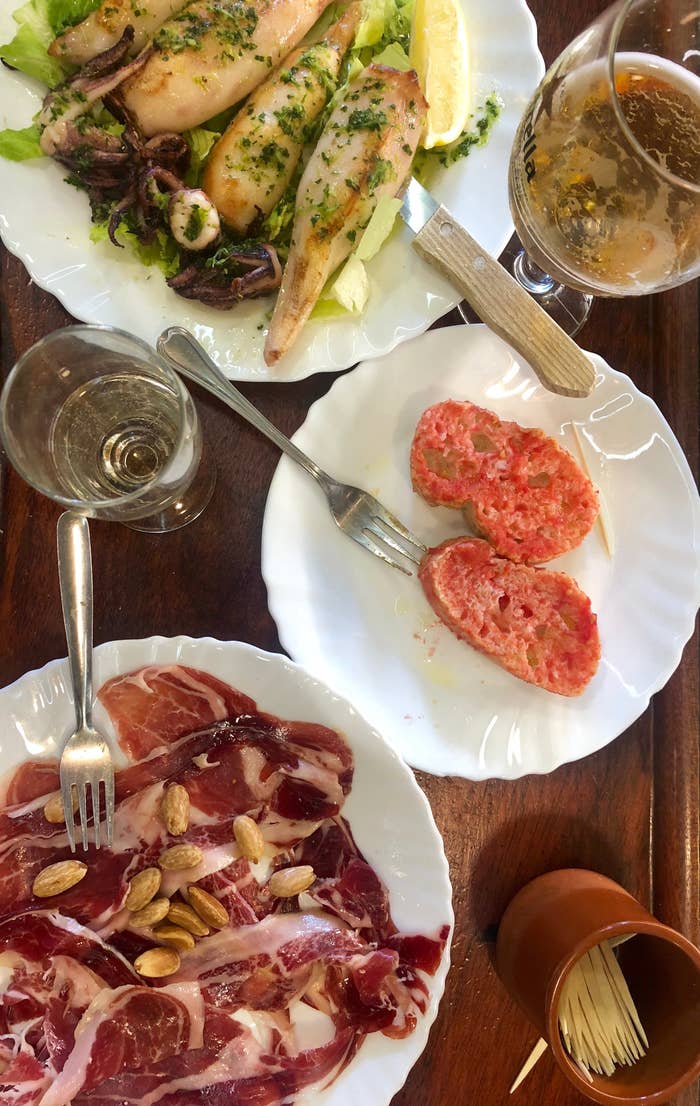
<point x="28" y="49"/>
<point x="162" y="252"/>
<point x="38" y="23"/>
<point x="395" y="56"/>
<point x="351" y="287"/>
<point x="378" y="228"/>
<point x="20" y="145"/>
<point x="384" y="22"/>
<point x="66" y="13"/>
<point x="200" y="142"/>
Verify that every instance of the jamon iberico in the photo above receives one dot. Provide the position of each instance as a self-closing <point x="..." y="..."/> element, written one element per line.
<point x="277" y="1000"/>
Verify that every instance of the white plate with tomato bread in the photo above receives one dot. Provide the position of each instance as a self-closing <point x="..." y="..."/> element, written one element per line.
<point x="371" y="633"/>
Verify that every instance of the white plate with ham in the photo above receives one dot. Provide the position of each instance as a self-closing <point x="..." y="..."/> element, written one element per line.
<point x="323" y="998"/>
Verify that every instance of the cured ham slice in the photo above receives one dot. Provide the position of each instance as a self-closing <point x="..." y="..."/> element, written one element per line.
<point x="158" y="704"/>
<point x="230" y="1027"/>
<point x="290" y="776"/>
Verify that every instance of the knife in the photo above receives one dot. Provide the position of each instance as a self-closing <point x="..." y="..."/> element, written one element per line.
<point x="495" y="295"/>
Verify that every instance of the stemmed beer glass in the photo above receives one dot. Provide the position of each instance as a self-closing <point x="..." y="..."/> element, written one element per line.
<point x="92" y="417"/>
<point x="605" y="169"/>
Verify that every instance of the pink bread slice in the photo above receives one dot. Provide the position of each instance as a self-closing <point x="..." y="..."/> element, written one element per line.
<point x="536" y="624"/>
<point x="517" y="488"/>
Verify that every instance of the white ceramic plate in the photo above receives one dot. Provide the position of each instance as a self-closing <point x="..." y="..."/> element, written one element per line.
<point x="368" y="632"/>
<point x="47" y="224"/>
<point x="389" y="814"/>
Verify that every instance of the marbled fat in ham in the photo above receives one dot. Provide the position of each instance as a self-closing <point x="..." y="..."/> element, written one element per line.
<point x="79" y="1026"/>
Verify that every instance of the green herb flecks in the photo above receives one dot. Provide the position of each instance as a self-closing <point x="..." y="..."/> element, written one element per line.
<point x="366" y="119"/>
<point x="427" y="160"/>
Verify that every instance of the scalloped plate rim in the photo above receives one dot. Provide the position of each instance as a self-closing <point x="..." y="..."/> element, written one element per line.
<point x="181" y="643"/>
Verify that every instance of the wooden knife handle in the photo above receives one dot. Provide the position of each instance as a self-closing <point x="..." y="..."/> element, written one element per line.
<point x="504" y="306"/>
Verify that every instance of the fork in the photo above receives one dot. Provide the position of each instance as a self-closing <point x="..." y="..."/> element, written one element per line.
<point x="357" y="513"/>
<point x="86" y="760"/>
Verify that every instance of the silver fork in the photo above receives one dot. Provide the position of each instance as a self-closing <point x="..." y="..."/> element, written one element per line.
<point x="86" y="760"/>
<point x="357" y="513"/>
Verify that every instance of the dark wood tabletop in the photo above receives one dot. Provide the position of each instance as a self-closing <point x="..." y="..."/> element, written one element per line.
<point x="629" y="811"/>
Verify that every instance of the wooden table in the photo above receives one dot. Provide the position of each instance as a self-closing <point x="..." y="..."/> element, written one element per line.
<point x="630" y="811"/>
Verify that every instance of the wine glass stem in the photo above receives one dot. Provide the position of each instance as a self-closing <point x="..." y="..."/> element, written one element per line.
<point x="533" y="279"/>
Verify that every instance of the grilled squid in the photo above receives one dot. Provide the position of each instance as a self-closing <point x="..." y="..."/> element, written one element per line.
<point x="210" y="56"/>
<point x="252" y="163"/>
<point x="364" y="153"/>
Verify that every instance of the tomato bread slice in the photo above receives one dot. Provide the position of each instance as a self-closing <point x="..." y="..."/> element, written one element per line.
<point x="517" y="487"/>
<point x="535" y="623"/>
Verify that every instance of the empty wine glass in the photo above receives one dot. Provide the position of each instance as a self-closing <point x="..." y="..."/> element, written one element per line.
<point x="605" y="170"/>
<point x="92" y="417"/>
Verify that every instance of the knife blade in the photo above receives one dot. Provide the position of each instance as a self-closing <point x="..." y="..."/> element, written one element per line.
<point x="495" y="295"/>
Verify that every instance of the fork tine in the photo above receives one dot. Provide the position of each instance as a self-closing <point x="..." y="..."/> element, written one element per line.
<point x="386" y="536"/>
<point x="82" y="807"/>
<point x="95" y="799"/>
<point x="387" y="519"/>
<point x="67" y="800"/>
<point x="363" y="539"/>
<point x="109" y="804"/>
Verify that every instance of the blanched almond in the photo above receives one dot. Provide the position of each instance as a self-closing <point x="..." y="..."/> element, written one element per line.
<point x="249" y="837"/>
<point x="53" y="808"/>
<point x="175" y="936"/>
<point x="142" y="888"/>
<point x="209" y="909"/>
<point x="179" y="857"/>
<point x="291" y="881"/>
<point x="175" y="809"/>
<point x="156" y="963"/>
<point x="59" y="877"/>
<point x="182" y="915"/>
<point x="151" y="914"/>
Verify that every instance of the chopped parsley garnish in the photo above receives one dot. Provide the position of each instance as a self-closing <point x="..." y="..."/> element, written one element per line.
<point x="366" y="119"/>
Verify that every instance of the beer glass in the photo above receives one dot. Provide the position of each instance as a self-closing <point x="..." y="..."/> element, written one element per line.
<point x="92" y="417"/>
<point x="605" y="170"/>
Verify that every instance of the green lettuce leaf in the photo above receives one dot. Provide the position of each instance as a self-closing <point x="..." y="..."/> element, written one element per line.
<point x="394" y="56"/>
<point x="378" y="228"/>
<point x="27" y="50"/>
<point x="20" y="145"/>
<point x="200" y="142"/>
<point x="38" y="23"/>
<point x="163" y="252"/>
<point x="66" y="13"/>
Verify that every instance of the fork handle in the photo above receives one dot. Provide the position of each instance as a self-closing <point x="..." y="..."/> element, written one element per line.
<point x="75" y="577"/>
<point x="184" y="351"/>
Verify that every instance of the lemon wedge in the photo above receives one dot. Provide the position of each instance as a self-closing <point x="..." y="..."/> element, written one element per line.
<point x="440" y="55"/>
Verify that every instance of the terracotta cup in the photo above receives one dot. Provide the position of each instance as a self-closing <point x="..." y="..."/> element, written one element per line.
<point x="558" y="917"/>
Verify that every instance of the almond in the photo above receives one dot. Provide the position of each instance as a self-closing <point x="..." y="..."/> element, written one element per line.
<point x="142" y="888"/>
<point x="291" y="881"/>
<point x="58" y="877"/>
<point x="151" y="914"/>
<point x="175" y="936"/>
<point x="175" y="809"/>
<point x="182" y="915"/>
<point x="249" y="837"/>
<point x="178" y="857"/>
<point x="53" y="808"/>
<point x="209" y="909"/>
<point x="157" y="962"/>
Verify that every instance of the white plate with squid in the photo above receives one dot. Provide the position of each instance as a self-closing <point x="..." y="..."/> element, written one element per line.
<point x="46" y="223"/>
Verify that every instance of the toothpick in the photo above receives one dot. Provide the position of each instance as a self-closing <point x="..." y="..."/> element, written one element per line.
<point x="539" y="1049"/>
<point x="598" y="1021"/>
<point x="604" y="521"/>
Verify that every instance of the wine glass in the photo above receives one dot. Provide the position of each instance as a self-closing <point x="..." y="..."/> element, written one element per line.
<point x="92" y="417"/>
<point x="605" y="170"/>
